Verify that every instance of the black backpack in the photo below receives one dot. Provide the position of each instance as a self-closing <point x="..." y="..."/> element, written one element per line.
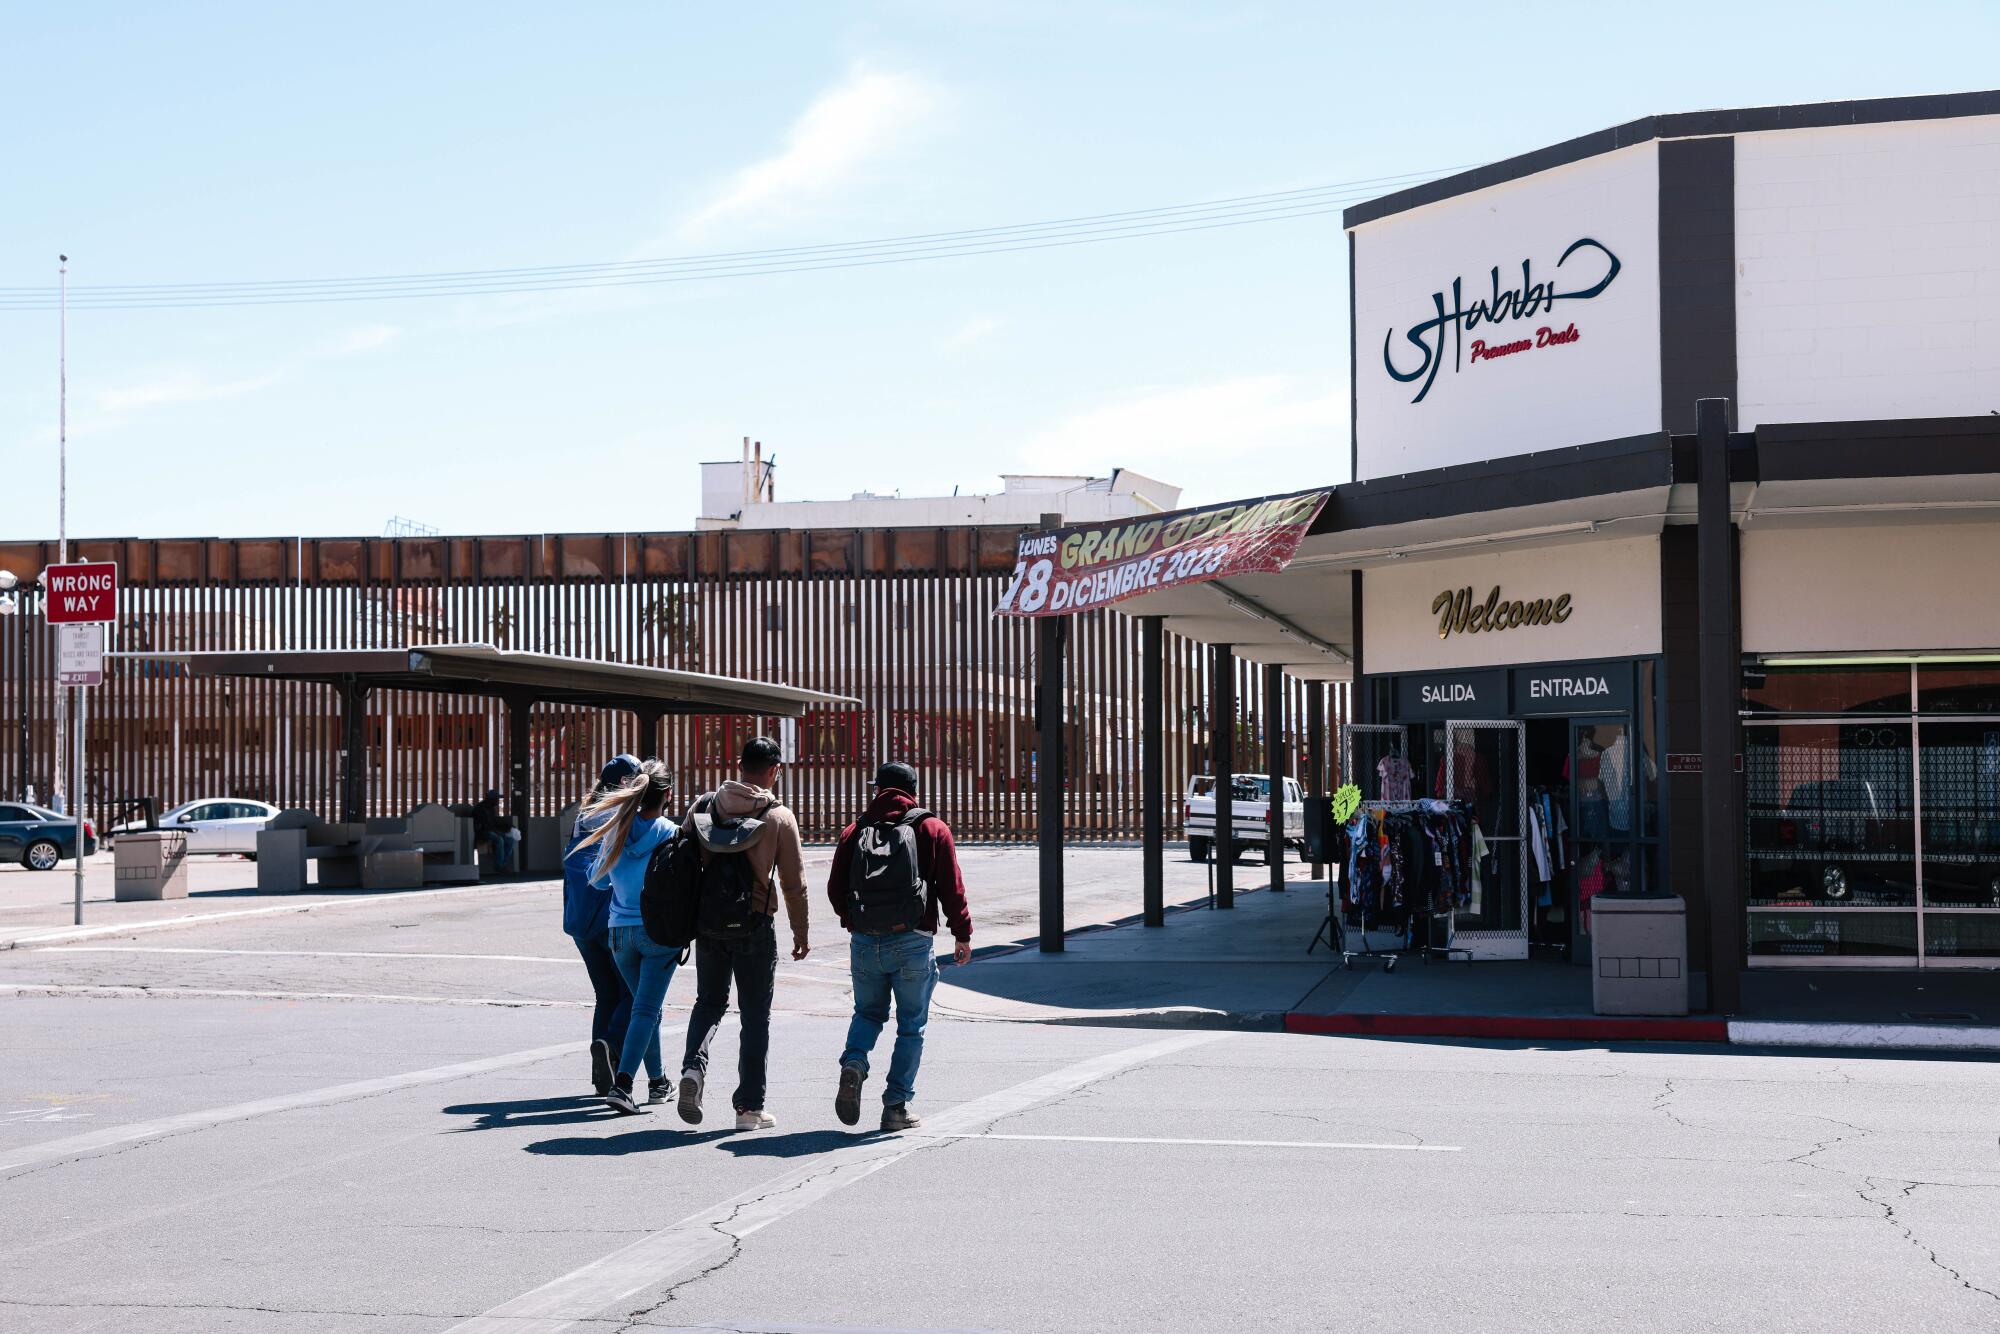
<point x="884" y="878"/>
<point x="670" y="897"/>
<point x="729" y="887"/>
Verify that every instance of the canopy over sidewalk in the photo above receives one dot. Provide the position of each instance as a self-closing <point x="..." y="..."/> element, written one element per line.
<point x="523" y="680"/>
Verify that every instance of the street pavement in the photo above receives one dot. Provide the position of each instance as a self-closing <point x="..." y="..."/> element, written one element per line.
<point x="376" y="1118"/>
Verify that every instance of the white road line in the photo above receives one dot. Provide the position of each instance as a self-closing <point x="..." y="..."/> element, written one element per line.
<point x="77" y="1146"/>
<point x="302" y="954"/>
<point x="110" y="991"/>
<point x="1215" y="1143"/>
<point x="398" y="898"/>
<point x="654" y="1259"/>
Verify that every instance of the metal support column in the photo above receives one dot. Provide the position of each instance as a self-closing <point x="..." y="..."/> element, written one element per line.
<point x="1721" y="683"/>
<point x="520" y="792"/>
<point x="21" y="684"/>
<point x="1274" y="766"/>
<point x="649" y="733"/>
<point x="1222" y="744"/>
<point x="1050" y="632"/>
<point x="1315" y="783"/>
<point x="353" y="751"/>
<point x="1152" y="769"/>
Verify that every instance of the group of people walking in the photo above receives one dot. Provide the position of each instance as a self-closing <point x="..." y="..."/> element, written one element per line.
<point x="725" y="864"/>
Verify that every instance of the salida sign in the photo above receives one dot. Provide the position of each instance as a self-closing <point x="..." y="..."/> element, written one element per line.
<point x="1071" y="569"/>
<point x="1452" y="318"/>
<point x="81" y="593"/>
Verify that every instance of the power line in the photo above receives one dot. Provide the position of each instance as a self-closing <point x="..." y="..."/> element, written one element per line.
<point x="1236" y="211"/>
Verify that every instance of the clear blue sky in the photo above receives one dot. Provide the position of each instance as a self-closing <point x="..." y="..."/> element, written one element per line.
<point x="164" y="143"/>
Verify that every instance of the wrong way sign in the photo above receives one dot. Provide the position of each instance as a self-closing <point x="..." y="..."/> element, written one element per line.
<point x="81" y="593"/>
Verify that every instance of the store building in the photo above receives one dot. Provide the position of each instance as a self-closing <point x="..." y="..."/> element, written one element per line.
<point x="1748" y="652"/>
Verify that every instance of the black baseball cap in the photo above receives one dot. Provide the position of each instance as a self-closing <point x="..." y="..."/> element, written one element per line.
<point x="899" y="776"/>
<point x="622" y="769"/>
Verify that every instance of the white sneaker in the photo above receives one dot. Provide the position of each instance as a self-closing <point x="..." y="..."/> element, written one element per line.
<point x="755" y="1120"/>
<point x="690" y="1102"/>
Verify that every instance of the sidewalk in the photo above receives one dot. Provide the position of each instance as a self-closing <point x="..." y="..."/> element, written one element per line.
<point x="38" y="907"/>
<point x="1248" y="968"/>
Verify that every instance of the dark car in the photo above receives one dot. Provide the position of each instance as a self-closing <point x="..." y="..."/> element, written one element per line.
<point x="1835" y="841"/>
<point x="38" y="838"/>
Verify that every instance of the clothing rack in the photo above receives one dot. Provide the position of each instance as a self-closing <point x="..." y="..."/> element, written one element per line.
<point x="1334" y="929"/>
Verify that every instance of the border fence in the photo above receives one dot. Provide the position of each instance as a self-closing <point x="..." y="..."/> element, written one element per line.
<point x="900" y="619"/>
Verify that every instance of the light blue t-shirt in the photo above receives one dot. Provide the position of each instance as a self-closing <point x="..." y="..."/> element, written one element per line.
<point x="628" y="877"/>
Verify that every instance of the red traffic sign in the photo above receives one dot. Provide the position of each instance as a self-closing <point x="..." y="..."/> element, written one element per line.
<point x="80" y="593"/>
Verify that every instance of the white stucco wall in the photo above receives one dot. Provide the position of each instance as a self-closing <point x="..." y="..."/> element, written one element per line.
<point x="1604" y="385"/>
<point x="1891" y="587"/>
<point x="1868" y="272"/>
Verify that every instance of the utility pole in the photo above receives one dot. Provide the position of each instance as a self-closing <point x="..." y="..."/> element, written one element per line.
<point x="57" y="790"/>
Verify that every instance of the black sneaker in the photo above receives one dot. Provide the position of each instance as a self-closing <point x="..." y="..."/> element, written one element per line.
<point x="600" y="1066"/>
<point x="847" y="1102"/>
<point x="898" y="1116"/>
<point x="659" y="1090"/>
<point x="619" y="1099"/>
<point x="690" y="1106"/>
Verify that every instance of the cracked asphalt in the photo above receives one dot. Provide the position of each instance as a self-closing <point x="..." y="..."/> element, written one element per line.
<point x="1503" y="1186"/>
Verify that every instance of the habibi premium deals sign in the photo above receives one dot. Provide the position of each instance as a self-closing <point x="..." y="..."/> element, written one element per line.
<point x="1066" y="570"/>
<point x="1506" y="314"/>
<point x="1513" y="319"/>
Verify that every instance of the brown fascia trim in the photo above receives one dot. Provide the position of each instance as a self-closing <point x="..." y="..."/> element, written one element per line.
<point x="1681" y="125"/>
<point x="1910" y="447"/>
<point x="1605" y="467"/>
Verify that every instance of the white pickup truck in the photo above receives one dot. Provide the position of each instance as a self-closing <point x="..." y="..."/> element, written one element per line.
<point x="1250" y="815"/>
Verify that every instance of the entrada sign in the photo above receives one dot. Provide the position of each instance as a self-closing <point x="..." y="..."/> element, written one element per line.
<point x="1530" y="300"/>
<point x="1458" y="614"/>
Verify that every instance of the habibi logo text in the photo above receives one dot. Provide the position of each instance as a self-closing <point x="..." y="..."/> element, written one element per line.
<point x="1453" y="319"/>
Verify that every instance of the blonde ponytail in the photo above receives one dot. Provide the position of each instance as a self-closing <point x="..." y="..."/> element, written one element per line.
<point x="645" y="791"/>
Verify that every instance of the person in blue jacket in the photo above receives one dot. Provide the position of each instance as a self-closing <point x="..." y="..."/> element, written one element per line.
<point x="587" y="921"/>
<point x="628" y="823"/>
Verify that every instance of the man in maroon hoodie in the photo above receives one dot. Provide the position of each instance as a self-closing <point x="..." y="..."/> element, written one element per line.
<point x="892" y="870"/>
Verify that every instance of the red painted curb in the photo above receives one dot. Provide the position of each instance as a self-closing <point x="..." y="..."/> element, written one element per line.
<point x="1510" y="1026"/>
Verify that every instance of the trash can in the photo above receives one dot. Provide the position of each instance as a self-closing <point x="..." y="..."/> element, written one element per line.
<point x="1638" y="946"/>
<point x="150" y="865"/>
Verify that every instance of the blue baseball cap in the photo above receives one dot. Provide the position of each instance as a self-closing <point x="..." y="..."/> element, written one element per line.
<point x="621" y="770"/>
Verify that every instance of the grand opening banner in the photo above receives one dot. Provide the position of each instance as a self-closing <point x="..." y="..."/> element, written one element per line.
<point x="1066" y="570"/>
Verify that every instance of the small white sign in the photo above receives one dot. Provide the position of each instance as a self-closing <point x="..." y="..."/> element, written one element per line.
<point x="80" y="655"/>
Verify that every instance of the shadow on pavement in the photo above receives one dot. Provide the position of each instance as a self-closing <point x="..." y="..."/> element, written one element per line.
<point x="532" y="1112"/>
<point x="797" y="1144"/>
<point x="617" y="1146"/>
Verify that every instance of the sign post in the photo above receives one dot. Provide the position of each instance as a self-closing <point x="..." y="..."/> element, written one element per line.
<point x="80" y="600"/>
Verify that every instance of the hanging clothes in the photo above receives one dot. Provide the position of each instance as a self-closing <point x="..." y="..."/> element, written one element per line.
<point x="1614" y="771"/>
<point x="1395" y="776"/>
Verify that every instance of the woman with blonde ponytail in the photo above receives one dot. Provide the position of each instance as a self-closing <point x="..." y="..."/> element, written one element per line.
<point x="631" y="823"/>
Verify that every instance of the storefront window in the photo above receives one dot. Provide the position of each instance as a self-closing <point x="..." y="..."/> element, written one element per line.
<point x="1961" y="689"/>
<point x="1961" y="786"/>
<point x="1822" y="935"/>
<point x="1827" y="690"/>
<point x="1874" y="836"/>
<point x="1830" y="815"/>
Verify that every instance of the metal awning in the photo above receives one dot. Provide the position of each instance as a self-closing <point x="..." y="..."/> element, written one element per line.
<point x="482" y="669"/>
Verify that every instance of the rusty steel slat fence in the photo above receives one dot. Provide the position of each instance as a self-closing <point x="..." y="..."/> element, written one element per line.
<point x="900" y="619"/>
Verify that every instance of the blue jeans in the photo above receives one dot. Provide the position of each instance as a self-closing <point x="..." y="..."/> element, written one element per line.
<point x="646" y="968"/>
<point x="903" y="966"/>
<point x="613" y="1013"/>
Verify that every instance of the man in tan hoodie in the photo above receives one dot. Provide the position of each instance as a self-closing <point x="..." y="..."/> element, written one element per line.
<point x="743" y="818"/>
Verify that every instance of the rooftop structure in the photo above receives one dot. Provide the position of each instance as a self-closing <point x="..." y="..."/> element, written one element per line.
<point x="743" y="494"/>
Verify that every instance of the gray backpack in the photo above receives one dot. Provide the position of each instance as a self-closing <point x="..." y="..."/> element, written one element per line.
<point x="884" y="878"/>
